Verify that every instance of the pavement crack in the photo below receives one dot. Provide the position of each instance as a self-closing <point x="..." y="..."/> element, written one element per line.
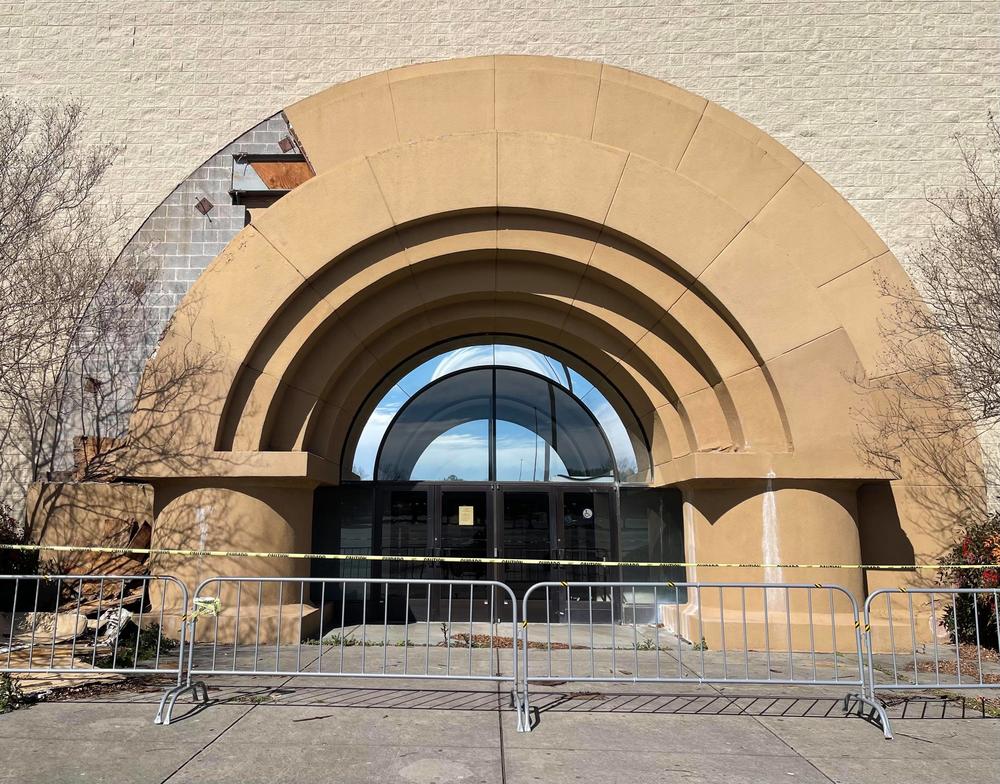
<point x="792" y="749"/>
<point x="236" y="721"/>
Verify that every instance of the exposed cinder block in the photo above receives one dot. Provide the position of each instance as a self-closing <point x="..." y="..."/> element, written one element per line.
<point x="182" y="240"/>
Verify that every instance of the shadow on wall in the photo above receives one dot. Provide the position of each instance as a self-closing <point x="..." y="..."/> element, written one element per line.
<point x="910" y="433"/>
<point x="883" y="540"/>
<point x="108" y="501"/>
<point x="715" y="504"/>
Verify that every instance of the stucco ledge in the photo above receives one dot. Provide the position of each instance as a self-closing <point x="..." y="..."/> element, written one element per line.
<point x="146" y="466"/>
<point x="703" y="467"/>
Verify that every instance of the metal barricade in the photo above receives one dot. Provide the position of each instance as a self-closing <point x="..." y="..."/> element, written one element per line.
<point x="352" y="628"/>
<point x="715" y="633"/>
<point x="938" y="639"/>
<point x="92" y="625"/>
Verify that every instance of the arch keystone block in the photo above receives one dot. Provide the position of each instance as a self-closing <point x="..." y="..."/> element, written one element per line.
<point x="442" y="98"/>
<point x="828" y="236"/>
<point x="547" y="94"/>
<point x="646" y="116"/>
<point x="737" y="161"/>
<point x="558" y="174"/>
<point x="767" y="294"/>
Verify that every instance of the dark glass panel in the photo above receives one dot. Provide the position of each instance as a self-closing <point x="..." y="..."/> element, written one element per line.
<point x="653" y="530"/>
<point x="564" y="426"/>
<point x="587" y="534"/>
<point x="579" y="440"/>
<point x="404" y="531"/>
<point x="525" y="534"/>
<point x="342" y="523"/>
<point x="515" y="459"/>
<point x="464" y="533"/>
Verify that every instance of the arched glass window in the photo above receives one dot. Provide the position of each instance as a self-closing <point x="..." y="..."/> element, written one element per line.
<point x="511" y="414"/>
<point x="495" y="423"/>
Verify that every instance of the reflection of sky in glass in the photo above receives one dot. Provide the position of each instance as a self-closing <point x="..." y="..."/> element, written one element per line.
<point x="520" y="453"/>
<point x="461" y="453"/>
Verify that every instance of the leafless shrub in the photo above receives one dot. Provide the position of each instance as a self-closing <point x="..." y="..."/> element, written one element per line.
<point x="942" y="394"/>
<point x="71" y="306"/>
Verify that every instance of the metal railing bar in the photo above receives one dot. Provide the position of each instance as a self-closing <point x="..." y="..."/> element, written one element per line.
<point x="472" y="602"/>
<point x="812" y="632"/>
<point x="833" y="631"/>
<point x="722" y="630"/>
<point x="767" y="631"/>
<point x="385" y="630"/>
<point x="55" y="622"/>
<point x="322" y="618"/>
<point x="635" y="630"/>
<point x="406" y="629"/>
<point x="256" y="642"/>
<point x="298" y="644"/>
<point x="236" y="629"/>
<point x="746" y="640"/>
<point x="701" y="632"/>
<point x="364" y="625"/>
<point x="788" y="632"/>
<point x="277" y="637"/>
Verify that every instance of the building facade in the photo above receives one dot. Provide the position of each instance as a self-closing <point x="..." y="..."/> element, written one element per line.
<point x="431" y="278"/>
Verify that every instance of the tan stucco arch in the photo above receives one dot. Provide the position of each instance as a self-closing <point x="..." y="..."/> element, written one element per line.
<point x="714" y="279"/>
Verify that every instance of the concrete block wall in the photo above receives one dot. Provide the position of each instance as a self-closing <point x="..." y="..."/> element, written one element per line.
<point x="180" y="239"/>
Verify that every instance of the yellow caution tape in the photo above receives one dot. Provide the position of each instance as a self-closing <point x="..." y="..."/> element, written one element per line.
<point x="62" y="548"/>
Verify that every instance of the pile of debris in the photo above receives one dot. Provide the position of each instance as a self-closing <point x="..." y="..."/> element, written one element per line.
<point x="84" y="625"/>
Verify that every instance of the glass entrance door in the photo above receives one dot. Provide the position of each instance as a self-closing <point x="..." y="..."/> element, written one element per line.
<point x="587" y="533"/>
<point x="404" y="517"/>
<point x="463" y="528"/>
<point x="530" y="521"/>
<point x="526" y="531"/>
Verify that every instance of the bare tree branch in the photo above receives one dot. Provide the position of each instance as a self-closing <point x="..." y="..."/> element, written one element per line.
<point x="72" y="308"/>
<point x="943" y="335"/>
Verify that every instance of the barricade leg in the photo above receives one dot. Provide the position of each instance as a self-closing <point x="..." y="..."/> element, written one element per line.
<point x="169" y="699"/>
<point x="523" y="703"/>
<point x="877" y="709"/>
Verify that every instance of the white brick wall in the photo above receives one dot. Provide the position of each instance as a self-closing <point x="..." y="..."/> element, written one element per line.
<point x="869" y="93"/>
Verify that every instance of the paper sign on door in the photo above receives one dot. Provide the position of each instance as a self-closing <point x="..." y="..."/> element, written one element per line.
<point x="466" y="515"/>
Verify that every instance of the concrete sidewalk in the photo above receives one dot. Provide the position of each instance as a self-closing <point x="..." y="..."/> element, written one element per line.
<point x="418" y="732"/>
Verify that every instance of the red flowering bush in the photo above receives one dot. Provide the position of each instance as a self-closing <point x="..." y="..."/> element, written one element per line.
<point x="980" y="547"/>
